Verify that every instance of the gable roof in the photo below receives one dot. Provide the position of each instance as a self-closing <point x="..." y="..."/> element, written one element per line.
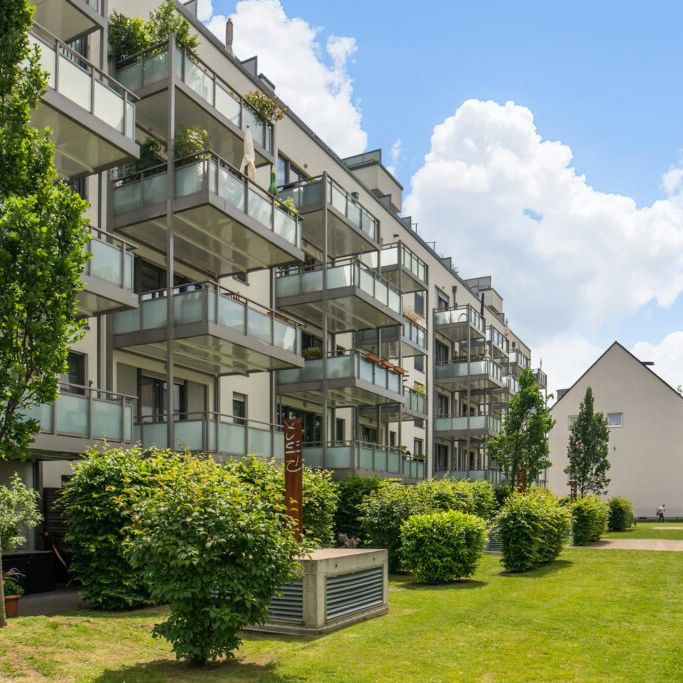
<point x="628" y="353"/>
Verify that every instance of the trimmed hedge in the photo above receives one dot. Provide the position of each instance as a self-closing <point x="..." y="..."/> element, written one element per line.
<point x="533" y="529"/>
<point x="589" y="520"/>
<point x="620" y="514"/>
<point x="352" y="492"/>
<point x="473" y="497"/>
<point x="442" y="547"/>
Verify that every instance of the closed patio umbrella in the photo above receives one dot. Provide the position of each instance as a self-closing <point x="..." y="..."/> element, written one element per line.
<point x="248" y="165"/>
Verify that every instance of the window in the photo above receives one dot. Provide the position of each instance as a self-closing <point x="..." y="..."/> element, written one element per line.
<point x="419" y="363"/>
<point x="418" y="446"/>
<point x="392" y="439"/>
<point x="369" y="435"/>
<point x="311" y="431"/>
<point x="442" y="406"/>
<point x="340" y="429"/>
<point x="440" y="457"/>
<point x="287" y="172"/>
<point x="615" y="419"/>
<point x="150" y="277"/>
<point x="442" y="302"/>
<point x="80" y="186"/>
<point x="440" y="353"/>
<point x="241" y="277"/>
<point x="75" y="374"/>
<point x="419" y="423"/>
<point x="239" y="408"/>
<point x="419" y="305"/>
<point x="153" y="399"/>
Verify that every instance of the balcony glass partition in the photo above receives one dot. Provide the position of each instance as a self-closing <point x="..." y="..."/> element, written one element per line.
<point x="461" y="314"/>
<point x="69" y="74"/>
<point x="398" y="254"/>
<point x="471" y="369"/>
<point x="111" y="259"/>
<point x="487" y="423"/>
<point x="87" y="413"/>
<point x="415" y="333"/>
<point x="347" y="273"/>
<point x="497" y="339"/>
<point x="414" y="400"/>
<point x="522" y="361"/>
<point x="151" y="66"/>
<point x="208" y="172"/>
<point x="208" y="302"/>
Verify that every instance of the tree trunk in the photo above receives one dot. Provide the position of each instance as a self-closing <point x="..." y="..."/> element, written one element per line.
<point x="3" y="617"/>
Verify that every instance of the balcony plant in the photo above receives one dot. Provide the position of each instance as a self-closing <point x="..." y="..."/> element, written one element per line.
<point x="288" y="205"/>
<point x="420" y="388"/>
<point x="191" y="141"/>
<point x="266" y="107"/>
<point x="313" y="353"/>
<point x="12" y="591"/>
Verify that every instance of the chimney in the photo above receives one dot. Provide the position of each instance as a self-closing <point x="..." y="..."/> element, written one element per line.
<point x="229" y="36"/>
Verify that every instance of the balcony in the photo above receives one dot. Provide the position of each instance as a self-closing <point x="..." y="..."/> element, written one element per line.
<point x="353" y="296"/>
<point x="222" y="222"/>
<point x="408" y="339"/>
<point x="498" y="344"/>
<point x="220" y="435"/>
<point x="400" y="266"/>
<point x="474" y="375"/>
<point x="413" y="407"/>
<point x="541" y="378"/>
<point x="460" y="324"/>
<point x="202" y="99"/>
<point x="91" y="116"/>
<point x="69" y="19"/>
<point x="351" y="228"/>
<point x="351" y="379"/>
<point x="348" y="458"/>
<point x="519" y="361"/>
<point x="215" y="331"/>
<point x="108" y="275"/>
<point x="80" y="417"/>
<point x="476" y="426"/>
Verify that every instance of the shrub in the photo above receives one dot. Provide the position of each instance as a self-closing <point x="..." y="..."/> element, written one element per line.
<point x="589" y="520"/>
<point x="383" y="512"/>
<point x="97" y="502"/>
<point x="319" y="490"/>
<point x="484" y="496"/>
<point x="502" y="493"/>
<point x="442" y="547"/>
<point x="447" y="494"/>
<point x="205" y="544"/>
<point x="352" y="492"/>
<point x="620" y="514"/>
<point x="533" y="528"/>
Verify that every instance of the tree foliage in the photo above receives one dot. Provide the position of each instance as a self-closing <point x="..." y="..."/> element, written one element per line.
<point x="352" y="492"/>
<point x="18" y="508"/>
<point x="521" y="448"/>
<point x="589" y="520"/>
<point x="43" y="233"/>
<point x="588" y="449"/>
<point x="620" y="514"/>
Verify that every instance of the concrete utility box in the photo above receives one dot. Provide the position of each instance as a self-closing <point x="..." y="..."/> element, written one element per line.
<point x="338" y="587"/>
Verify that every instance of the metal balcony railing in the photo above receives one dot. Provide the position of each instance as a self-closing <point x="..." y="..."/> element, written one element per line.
<point x="414" y="400"/>
<point x="111" y="258"/>
<point x="398" y="254"/>
<point x="460" y="314"/>
<point x="457" y="369"/>
<point x="466" y="423"/>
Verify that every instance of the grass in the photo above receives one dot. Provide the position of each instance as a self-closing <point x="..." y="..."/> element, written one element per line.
<point x="594" y="615"/>
<point x="650" y="530"/>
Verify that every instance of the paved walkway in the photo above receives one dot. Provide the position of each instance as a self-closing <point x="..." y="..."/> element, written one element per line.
<point x="53" y="602"/>
<point x="639" y="544"/>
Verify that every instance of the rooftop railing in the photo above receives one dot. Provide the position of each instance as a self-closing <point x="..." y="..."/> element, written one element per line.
<point x="74" y="77"/>
<point x="206" y="171"/>
<point x="151" y="66"/>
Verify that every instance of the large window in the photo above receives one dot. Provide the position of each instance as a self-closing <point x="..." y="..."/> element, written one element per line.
<point x="419" y="363"/>
<point x="340" y="429"/>
<point x="75" y="373"/>
<point x="154" y="397"/>
<point x="287" y="172"/>
<point x="418" y="447"/>
<point x="442" y="406"/>
<point x="615" y="419"/>
<point x="440" y="457"/>
<point x="440" y="353"/>
<point x="239" y="408"/>
<point x="419" y="304"/>
<point x="150" y="277"/>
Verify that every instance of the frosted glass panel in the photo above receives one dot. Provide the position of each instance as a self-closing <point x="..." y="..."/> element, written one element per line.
<point x="231" y="313"/>
<point x="129" y="76"/>
<point x="366" y="370"/>
<point x="155" y="68"/>
<point x="312" y="281"/>
<point x="227" y="105"/>
<point x="42" y="413"/>
<point x="154" y="435"/>
<point x="154" y="189"/>
<point x="341" y="366"/>
<point x="72" y="415"/>
<point x="188" y="308"/>
<point x="339" y="457"/>
<point x="127" y="197"/>
<point x="108" y="106"/>
<point x="339" y="277"/>
<point x="188" y="434"/>
<point x="231" y="189"/>
<point x="259" y="208"/>
<point x="153" y="313"/>
<point x="285" y="225"/>
<point x="259" y="326"/>
<point x="74" y="83"/>
<point x="285" y="336"/>
<point x="106" y="420"/>
<point x="364" y="458"/>
<point x="279" y="445"/>
<point x="259" y="442"/>
<point x="313" y="457"/>
<point x="190" y="178"/>
<point x="199" y="80"/>
<point x="393" y="462"/>
<point x="126" y="321"/>
<point x="231" y="439"/>
<point x="106" y="262"/>
<point x="47" y="59"/>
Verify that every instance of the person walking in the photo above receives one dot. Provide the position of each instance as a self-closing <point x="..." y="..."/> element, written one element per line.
<point x="660" y="512"/>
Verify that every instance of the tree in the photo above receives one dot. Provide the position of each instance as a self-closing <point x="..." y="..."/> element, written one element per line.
<point x="588" y="449"/>
<point x="521" y="448"/>
<point x="43" y="233"/>
<point x="18" y="507"/>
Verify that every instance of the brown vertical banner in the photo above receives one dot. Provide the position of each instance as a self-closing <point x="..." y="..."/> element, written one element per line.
<point x="294" y="464"/>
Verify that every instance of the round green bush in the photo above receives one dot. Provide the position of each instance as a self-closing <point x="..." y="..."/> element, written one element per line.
<point x="533" y="529"/>
<point x="447" y="494"/>
<point x="441" y="547"/>
<point x="352" y="492"/>
<point x="589" y="520"/>
<point x="620" y="514"/>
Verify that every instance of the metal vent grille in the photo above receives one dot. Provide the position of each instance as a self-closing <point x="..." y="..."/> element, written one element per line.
<point x="349" y="593"/>
<point x="290" y="605"/>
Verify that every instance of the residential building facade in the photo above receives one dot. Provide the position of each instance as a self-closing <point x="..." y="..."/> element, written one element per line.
<point x="645" y="419"/>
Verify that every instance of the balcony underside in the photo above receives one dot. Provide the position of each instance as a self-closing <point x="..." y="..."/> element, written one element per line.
<point x="84" y="144"/>
<point x="403" y="279"/>
<point x="210" y="235"/>
<point x="343" y="238"/>
<point x="474" y="382"/>
<point x="210" y="349"/>
<point x="67" y="19"/>
<point x="391" y="343"/>
<point x="341" y="393"/>
<point x="99" y="296"/>
<point x="348" y="308"/>
<point x="227" y="139"/>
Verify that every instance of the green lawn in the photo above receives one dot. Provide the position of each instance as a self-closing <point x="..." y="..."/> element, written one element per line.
<point x="595" y="615"/>
<point x="651" y="530"/>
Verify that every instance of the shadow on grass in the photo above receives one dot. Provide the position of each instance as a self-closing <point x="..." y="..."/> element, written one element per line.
<point x="537" y="572"/>
<point x="165" y="670"/>
<point x="411" y="584"/>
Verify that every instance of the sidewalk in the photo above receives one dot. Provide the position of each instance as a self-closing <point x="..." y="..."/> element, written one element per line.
<point x="639" y="544"/>
<point x="53" y="602"/>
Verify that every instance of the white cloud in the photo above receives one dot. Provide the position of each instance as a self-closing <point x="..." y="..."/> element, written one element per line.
<point x="667" y="357"/>
<point x="394" y="155"/>
<point x="504" y="201"/>
<point x="313" y="81"/>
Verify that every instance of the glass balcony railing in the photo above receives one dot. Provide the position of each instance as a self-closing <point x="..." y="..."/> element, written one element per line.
<point x="346" y="273"/>
<point x="480" y="423"/>
<point x="494" y="337"/>
<point x="415" y="333"/>
<point x="207" y="432"/>
<point x="310" y="193"/>
<point x="520" y="360"/>
<point x="541" y="378"/>
<point x="72" y="76"/>
<point x="351" y="365"/>
<point x="151" y="66"/>
<point x="209" y="173"/>
<point x="461" y="314"/>
<point x="87" y="413"/>
<point x="398" y="254"/>
<point x="463" y="369"/>
<point x="414" y="400"/>
<point x="352" y="456"/>
<point x="111" y="259"/>
<point x="511" y="384"/>
<point x="207" y="302"/>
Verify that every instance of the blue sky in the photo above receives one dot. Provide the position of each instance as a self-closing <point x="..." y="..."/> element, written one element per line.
<point x="601" y="78"/>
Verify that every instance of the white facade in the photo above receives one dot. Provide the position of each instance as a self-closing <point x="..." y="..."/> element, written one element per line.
<point x="646" y="436"/>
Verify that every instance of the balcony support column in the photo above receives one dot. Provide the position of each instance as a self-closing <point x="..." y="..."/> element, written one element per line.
<point x="170" y="265"/>
<point x="326" y="346"/>
<point x="273" y="376"/>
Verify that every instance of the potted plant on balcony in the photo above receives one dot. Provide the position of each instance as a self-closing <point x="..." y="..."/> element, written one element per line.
<point x="13" y="591"/>
<point x="191" y="141"/>
<point x="313" y="353"/>
<point x="266" y="107"/>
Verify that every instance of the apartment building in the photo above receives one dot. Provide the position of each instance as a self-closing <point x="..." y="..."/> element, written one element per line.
<point x="214" y="311"/>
